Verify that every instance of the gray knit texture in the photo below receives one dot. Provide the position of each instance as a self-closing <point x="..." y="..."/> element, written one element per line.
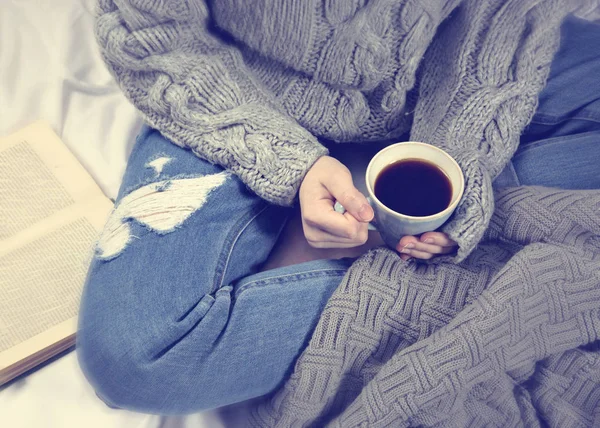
<point x="250" y="85"/>
<point x="508" y="337"/>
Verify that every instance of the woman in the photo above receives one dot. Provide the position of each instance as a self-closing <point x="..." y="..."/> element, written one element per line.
<point x="176" y="316"/>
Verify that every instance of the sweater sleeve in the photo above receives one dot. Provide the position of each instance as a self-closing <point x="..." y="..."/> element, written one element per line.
<point x="194" y="87"/>
<point x="479" y="89"/>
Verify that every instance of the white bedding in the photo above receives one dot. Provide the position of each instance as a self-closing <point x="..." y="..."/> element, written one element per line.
<point x="50" y="69"/>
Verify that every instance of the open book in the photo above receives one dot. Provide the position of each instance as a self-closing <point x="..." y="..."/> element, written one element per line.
<point x="51" y="212"/>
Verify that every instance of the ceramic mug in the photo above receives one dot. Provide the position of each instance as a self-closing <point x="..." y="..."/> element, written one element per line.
<point x="393" y="225"/>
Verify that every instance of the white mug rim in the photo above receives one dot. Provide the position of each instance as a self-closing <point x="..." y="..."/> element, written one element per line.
<point x="448" y="209"/>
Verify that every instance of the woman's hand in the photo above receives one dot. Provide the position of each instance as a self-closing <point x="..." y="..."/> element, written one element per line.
<point x="326" y="182"/>
<point x="428" y="245"/>
<point x="329" y="181"/>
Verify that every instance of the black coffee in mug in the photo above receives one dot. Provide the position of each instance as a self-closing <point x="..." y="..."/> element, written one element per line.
<point x="413" y="187"/>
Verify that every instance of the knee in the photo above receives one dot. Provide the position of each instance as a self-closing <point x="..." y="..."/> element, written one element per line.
<point x="119" y="372"/>
<point x="128" y="376"/>
<point x="142" y="359"/>
<point x="115" y="350"/>
<point x="131" y="378"/>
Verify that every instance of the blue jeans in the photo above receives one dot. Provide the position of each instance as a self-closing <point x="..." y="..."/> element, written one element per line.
<point x="561" y="146"/>
<point x="175" y="319"/>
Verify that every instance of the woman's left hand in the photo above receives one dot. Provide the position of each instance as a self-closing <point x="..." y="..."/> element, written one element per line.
<point x="426" y="246"/>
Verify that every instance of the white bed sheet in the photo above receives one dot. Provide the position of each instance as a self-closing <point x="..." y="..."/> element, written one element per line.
<point x="50" y="69"/>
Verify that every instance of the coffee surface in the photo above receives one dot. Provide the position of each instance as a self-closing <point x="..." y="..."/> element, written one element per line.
<point x="413" y="187"/>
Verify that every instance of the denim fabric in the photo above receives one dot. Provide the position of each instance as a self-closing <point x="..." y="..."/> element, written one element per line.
<point x="175" y="323"/>
<point x="179" y="321"/>
<point x="561" y="146"/>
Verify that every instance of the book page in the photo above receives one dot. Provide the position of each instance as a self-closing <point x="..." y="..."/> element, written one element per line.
<point x="51" y="212"/>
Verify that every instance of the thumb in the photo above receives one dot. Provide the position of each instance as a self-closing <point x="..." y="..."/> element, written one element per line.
<point x="340" y="186"/>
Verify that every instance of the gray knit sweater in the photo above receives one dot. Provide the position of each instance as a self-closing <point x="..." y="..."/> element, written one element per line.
<point x="510" y="337"/>
<point x="251" y="84"/>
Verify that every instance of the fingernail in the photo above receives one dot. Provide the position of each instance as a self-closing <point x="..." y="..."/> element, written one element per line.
<point x="428" y="241"/>
<point x="403" y="249"/>
<point x="366" y="212"/>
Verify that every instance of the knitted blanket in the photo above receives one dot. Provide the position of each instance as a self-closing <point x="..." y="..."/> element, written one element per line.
<point x="508" y="337"/>
<point x="250" y="85"/>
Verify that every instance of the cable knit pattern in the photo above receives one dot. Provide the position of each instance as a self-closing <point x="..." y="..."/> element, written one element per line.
<point x="476" y="108"/>
<point x="356" y="89"/>
<point x="196" y="90"/>
<point x="250" y="84"/>
<point x="508" y="337"/>
<point x="348" y="44"/>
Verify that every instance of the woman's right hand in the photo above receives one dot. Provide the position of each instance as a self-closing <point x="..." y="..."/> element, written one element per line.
<point x="326" y="182"/>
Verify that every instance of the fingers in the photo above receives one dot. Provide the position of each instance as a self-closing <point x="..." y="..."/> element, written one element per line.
<point x="319" y="238"/>
<point x="326" y="228"/>
<point x="340" y="186"/>
<point x="327" y="181"/>
<point x="437" y="238"/>
<point x="321" y="215"/>
<point x="429" y="245"/>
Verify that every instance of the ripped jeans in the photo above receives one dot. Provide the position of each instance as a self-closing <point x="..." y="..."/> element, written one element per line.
<point x="175" y="319"/>
<point x="172" y="321"/>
